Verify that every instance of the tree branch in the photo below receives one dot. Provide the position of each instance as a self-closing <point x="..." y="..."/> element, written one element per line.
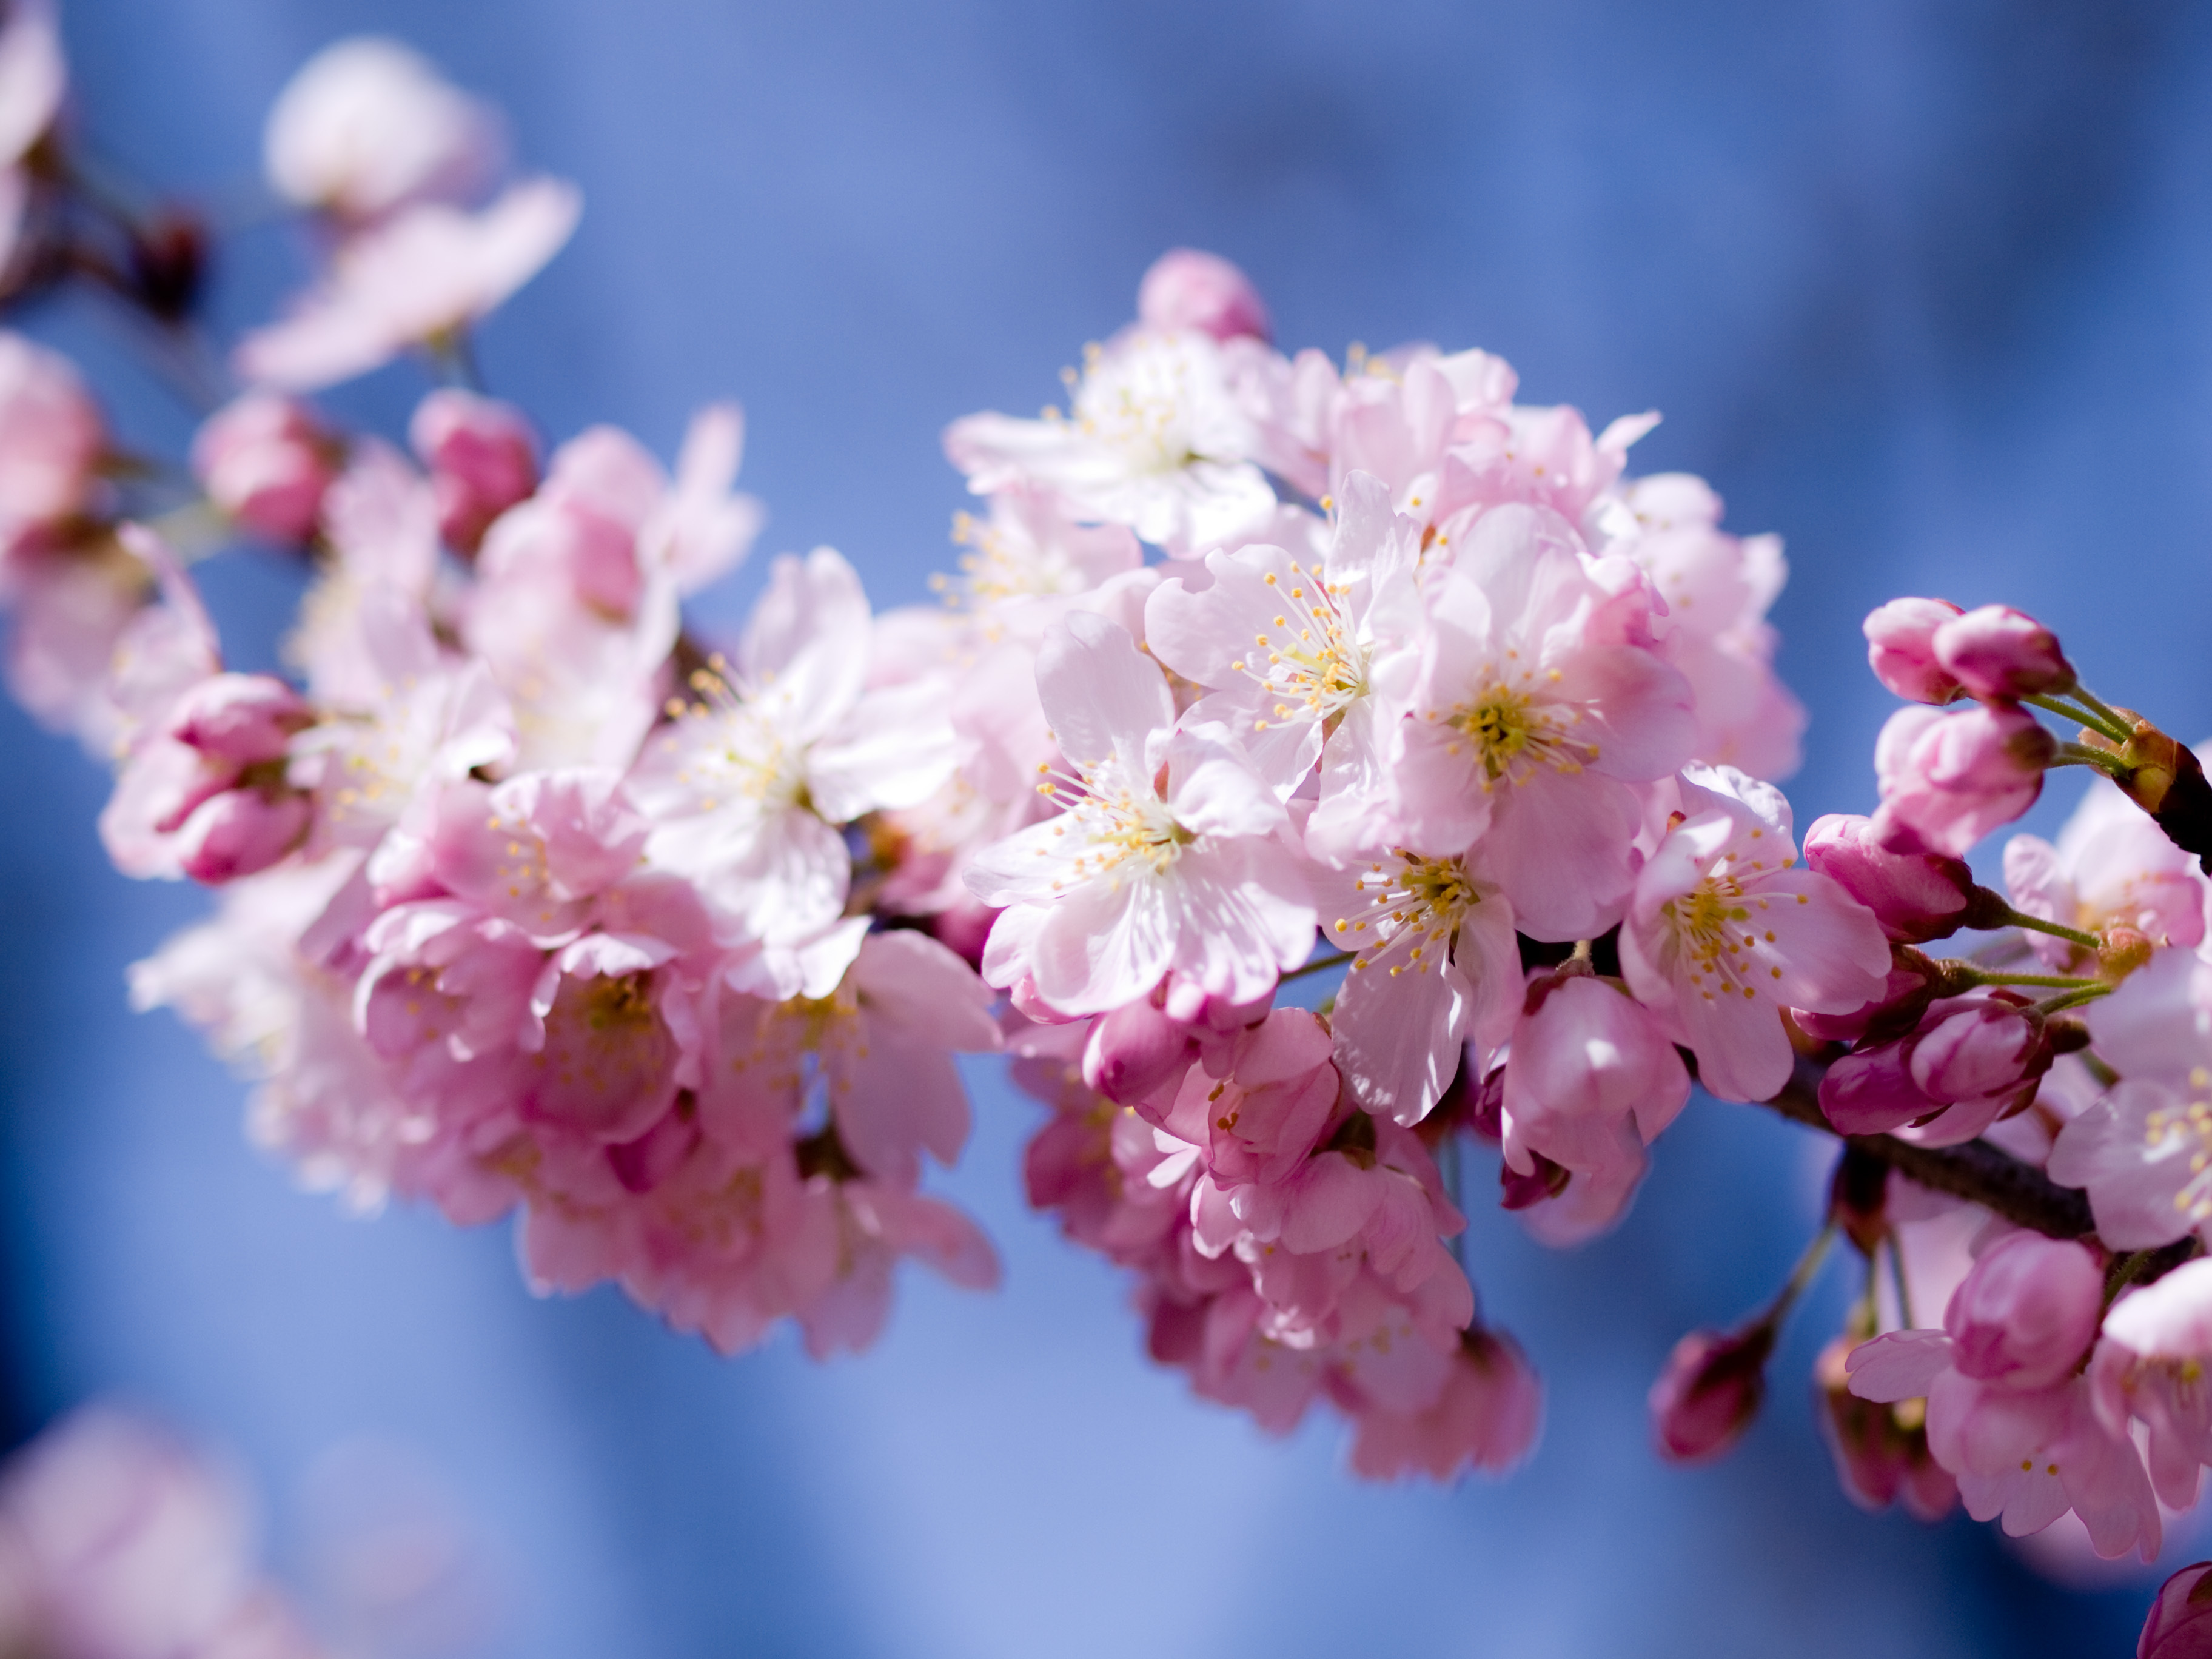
<point x="1977" y="1170"/>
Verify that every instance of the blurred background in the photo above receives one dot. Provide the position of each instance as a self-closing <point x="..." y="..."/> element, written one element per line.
<point x="1924" y="285"/>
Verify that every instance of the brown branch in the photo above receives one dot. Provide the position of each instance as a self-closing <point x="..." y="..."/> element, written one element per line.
<point x="1987" y="1176"/>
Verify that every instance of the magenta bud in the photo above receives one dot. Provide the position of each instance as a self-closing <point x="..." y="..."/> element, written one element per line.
<point x="483" y="457"/>
<point x="2180" y="1622"/>
<point x="241" y="832"/>
<point x="2027" y="1311"/>
<point x="1709" y="1392"/>
<point x="1134" y="1051"/>
<point x="1188" y="289"/>
<point x="1881" y="1451"/>
<point x="1972" y="1047"/>
<point x="1997" y="652"/>
<point x="1871" y="1091"/>
<point x="1901" y="649"/>
<point x="963" y="927"/>
<point x="245" y="718"/>
<point x="1907" y="992"/>
<point x="265" y="463"/>
<point x="642" y="1164"/>
<point x="1917" y="895"/>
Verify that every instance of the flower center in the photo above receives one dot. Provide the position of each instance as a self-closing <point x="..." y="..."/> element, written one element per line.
<point x="2178" y="1128"/>
<point x="1712" y="925"/>
<point x="1413" y="910"/>
<point x="1315" y="664"/>
<point x="1136" y="406"/>
<point x="1112" y="822"/>
<point x="747" y="760"/>
<point x="1515" y="734"/>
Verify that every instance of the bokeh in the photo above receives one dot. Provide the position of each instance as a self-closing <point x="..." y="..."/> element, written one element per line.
<point x="1924" y="285"/>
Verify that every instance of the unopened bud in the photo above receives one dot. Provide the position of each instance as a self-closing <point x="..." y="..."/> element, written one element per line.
<point x="1916" y="893"/>
<point x="1190" y="289"/>
<point x="1997" y="652"/>
<point x="1881" y="1451"/>
<point x="241" y="832"/>
<point x="2120" y="951"/>
<point x="263" y="460"/>
<point x="2180" y="1622"/>
<point x="1901" y="649"/>
<point x="482" y="458"/>
<point x="1134" y="1051"/>
<point x="245" y="718"/>
<point x="1708" y="1391"/>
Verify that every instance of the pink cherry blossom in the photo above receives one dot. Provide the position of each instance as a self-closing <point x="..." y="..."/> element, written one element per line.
<point x="1901" y="649"/>
<point x="1137" y="877"/>
<point x="1435" y="968"/>
<point x="264" y="461"/>
<point x="1487" y="1417"/>
<point x="2152" y="1367"/>
<point x="1881" y="1451"/>
<point x="366" y="125"/>
<point x="1185" y="289"/>
<point x="413" y="279"/>
<point x="1537" y="706"/>
<point x="1948" y="780"/>
<point x="483" y="457"/>
<point x="1155" y="438"/>
<point x="1723" y="932"/>
<point x="51" y="438"/>
<point x="2112" y="867"/>
<point x="1916" y="894"/>
<point x="2180" y="1622"/>
<point x="32" y="77"/>
<point x="1969" y="1060"/>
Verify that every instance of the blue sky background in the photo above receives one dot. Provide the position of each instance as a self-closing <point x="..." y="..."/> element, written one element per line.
<point x="1926" y="288"/>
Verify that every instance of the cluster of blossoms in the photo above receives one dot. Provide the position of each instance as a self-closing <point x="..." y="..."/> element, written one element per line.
<point x="1256" y="669"/>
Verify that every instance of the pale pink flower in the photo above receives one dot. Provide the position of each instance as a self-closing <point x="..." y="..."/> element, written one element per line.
<point x="1155" y="438"/>
<point x="2153" y="1364"/>
<point x="877" y="1225"/>
<point x="413" y="279"/>
<point x="32" y="78"/>
<point x="1029" y="550"/>
<point x="1916" y="893"/>
<point x="123" y="1544"/>
<point x="366" y="125"/>
<point x="1436" y="969"/>
<point x="1536" y="707"/>
<point x="72" y="610"/>
<point x="51" y="440"/>
<point x="1901" y="649"/>
<point x="1717" y="589"/>
<point x="1724" y="933"/>
<point x="2144" y="1150"/>
<point x="2009" y="1412"/>
<point x="1306" y="661"/>
<point x="1590" y="1081"/>
<point x="1998" y="653"/>
<point x="1948" y="780"/>
<point x="263" y="460"/>
<point x="1166" y="855"/>
<point x="483" y="457"/>
<point x="1185" y="289"/>
<point x="1487" y="1417"/>
<point x="2112" y="867"/>
<point x="1397" y="416"/>
<point x="1255" y="1112"/>
<point x="783" y="744"/>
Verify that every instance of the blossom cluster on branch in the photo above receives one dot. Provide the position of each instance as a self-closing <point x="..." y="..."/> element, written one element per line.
<point x="1255" y="666"/>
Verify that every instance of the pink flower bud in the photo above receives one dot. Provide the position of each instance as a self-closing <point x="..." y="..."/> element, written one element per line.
<point x="1911" y="985"/>
<point x="243" y="718"/>
<point x="2028" y="1312"/>
<point x="264" y="461"/>
<point x="1871" y="1091"/>
<point x="2180" y="1622"/>
<point x="962" y="927"/>
<point x="1901" y="649"/>
<point x="482" y="458"/>
<point x="1135" y="1051"/>
<point x="1970" y="1047"/>
<point x="240" y="831"/>
<point x="1881" y="1451"/>
<point x="1708" y="1391"/>
<point x="1188" y="289"/>
<point x="1948" y="780"/>
<point x="50" y="433"/>
<point x="1998" y="652"/>
<point x="1917" y="895"/>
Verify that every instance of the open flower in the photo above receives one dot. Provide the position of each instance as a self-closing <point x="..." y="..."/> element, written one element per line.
<point x="1725" y="932"/>
<point x="1166" y="855"/>
<point x="1534" y="711"/>
<point x="366" y="125"/>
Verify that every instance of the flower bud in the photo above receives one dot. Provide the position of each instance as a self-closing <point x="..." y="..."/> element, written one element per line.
<point x="482" y="458"/>
<point x="1871" y="1091"/>
<point x="240" y="832"/>
<point x="1917" y="895"/>
<point x="1708" y="1391"/>
<point x="1914" y="981"/>
<point x="1188" y="289"/>
<point x="2001" y="652"/>
<point x="242" y="718"/>
<point x="1901" y="649"/>
<point x="50" y="433"/>
<point x="1881" y="1451"/>
<point x="1134" y="1051"/>
<point x="1971" y="1047"/>
<point x="264" y="461"/>
<point x="2028" y="1312"/>
<point x="2180" y="1622"/>
<point x="1947" y="781"/>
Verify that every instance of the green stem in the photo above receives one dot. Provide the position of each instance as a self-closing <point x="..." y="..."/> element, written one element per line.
<point x="2073" y="998"/>
<point x="2075" y="754"/>
<point x="2110" y="717"/>
<point x="1802" y="1275"/>
<point x="2054" y="981"/>
<point x="2083" y="716"/>
<point x="2038" y="925"/>
<point x="1316" y="966"/>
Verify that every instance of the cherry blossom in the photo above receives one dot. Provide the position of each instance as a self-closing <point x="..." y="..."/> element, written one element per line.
<point x="368" y="125"/>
